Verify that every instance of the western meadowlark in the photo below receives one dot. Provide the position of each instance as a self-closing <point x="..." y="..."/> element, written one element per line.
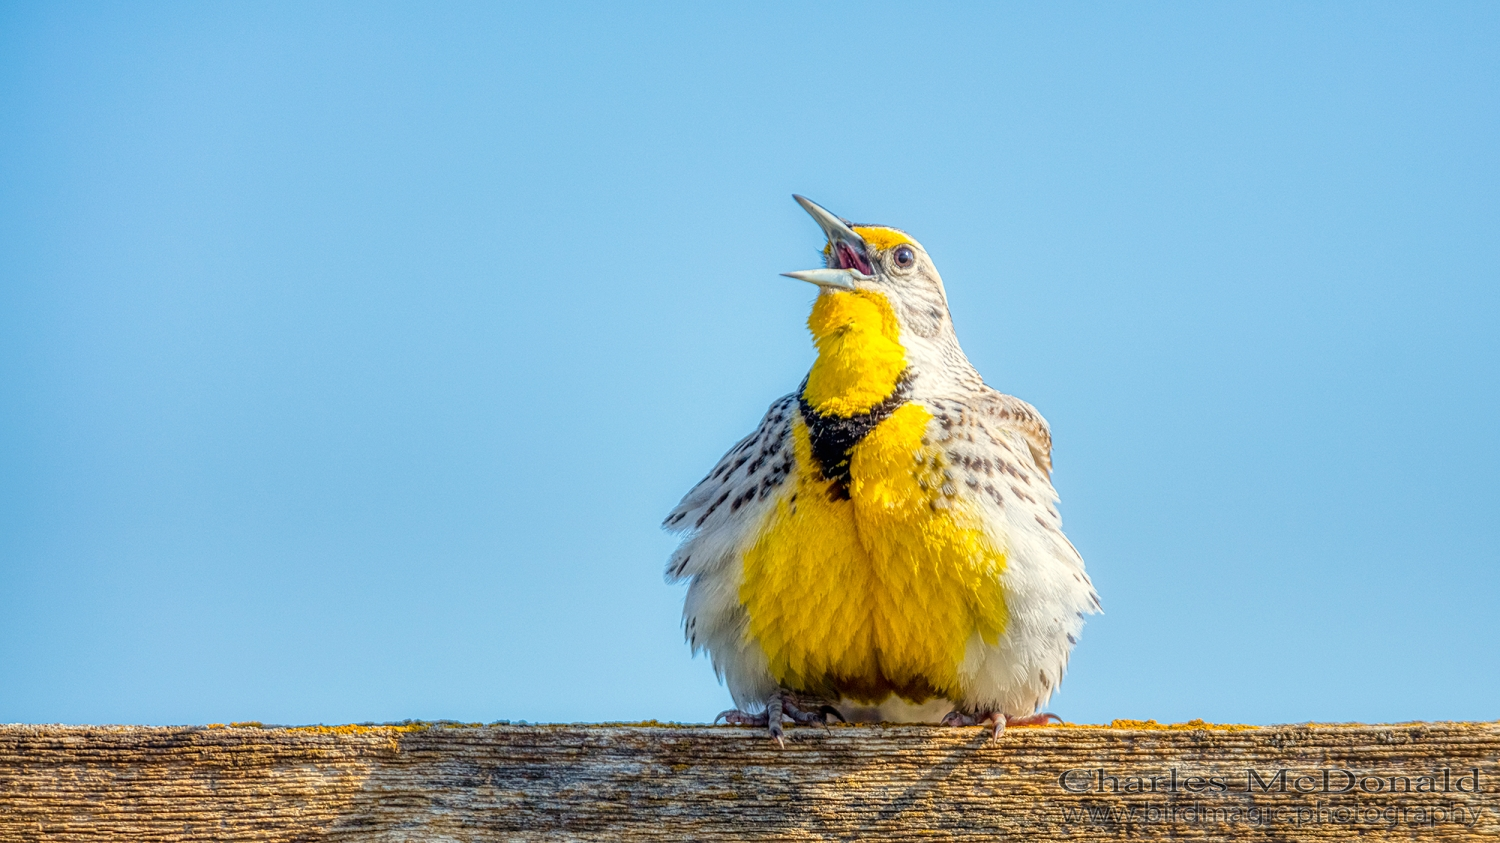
<point x="886" y="545"/>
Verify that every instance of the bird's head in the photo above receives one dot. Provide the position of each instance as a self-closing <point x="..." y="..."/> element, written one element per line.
<point x="877" y="260"/>
<point x="881" y="314"/>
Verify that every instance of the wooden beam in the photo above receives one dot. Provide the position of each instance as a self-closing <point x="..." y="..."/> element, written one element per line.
<point x="663" y="782"/>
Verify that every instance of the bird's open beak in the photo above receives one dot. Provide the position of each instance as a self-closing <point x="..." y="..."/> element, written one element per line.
<point x="848" y="253"/>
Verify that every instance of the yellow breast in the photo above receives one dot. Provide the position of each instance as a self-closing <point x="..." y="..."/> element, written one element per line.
<point x="879" y="592"/>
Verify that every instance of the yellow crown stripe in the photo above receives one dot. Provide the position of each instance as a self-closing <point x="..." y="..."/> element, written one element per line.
<point x="878" y="237"/>
<point x="881" y="238"/>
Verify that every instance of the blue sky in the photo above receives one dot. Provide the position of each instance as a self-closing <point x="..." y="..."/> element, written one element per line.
<point x="351" y="353"/>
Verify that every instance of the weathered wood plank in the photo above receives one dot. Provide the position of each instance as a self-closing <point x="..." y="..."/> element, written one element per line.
<point x="648" y="782"/>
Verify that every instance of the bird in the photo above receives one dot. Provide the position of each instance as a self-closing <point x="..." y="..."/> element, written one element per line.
<point x="886" y="545"/>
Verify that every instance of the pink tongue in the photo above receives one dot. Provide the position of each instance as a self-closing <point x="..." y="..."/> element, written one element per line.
<point x="850" y="259"/>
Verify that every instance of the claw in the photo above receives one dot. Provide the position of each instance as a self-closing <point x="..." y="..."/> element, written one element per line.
<point x="800" y="716"/>
<point x="1033" y="719"/>
<point x="735" y="717"/>
<point x="824" y="711"/>
<point x="957" y="718"/>
<point x="820" y="717"/>
<point x="1000" y="721"/>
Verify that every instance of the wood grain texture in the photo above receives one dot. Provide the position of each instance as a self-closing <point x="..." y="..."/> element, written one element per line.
<point x="649" y="782"/>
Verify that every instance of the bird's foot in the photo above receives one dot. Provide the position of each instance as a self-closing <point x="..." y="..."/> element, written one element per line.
<point x="1038" y="719"/>
<point x="781" y="706"/>
<point x="998" y="720"/>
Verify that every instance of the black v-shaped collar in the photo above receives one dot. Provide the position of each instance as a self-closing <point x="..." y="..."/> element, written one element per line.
<point x="833" y="437"/>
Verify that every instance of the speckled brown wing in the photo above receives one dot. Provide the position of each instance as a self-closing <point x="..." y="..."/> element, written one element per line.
<point x="750" y="473"/>
<point x="1000" y="448"/>
<point x="1011" y="412"/>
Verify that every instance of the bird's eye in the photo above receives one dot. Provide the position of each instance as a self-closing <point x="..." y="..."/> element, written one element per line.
<point x="905" y="256"/>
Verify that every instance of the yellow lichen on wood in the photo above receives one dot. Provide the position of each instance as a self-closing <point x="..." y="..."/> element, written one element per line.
<point x="1191" y="724"/>
<point x="362" y="728"/>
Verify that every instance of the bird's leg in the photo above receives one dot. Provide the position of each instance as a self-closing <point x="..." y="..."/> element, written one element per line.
<point x="958" y="717"/>
<point x="781" y="705"/>
<point x="774" y="710"/>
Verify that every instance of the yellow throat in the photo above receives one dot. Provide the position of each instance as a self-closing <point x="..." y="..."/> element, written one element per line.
<point x="875" y="583"/>
<point x="860" y="356"/>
